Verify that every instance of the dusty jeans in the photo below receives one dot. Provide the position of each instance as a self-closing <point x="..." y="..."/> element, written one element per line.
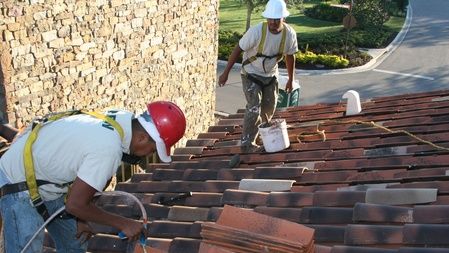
<point x="21" y="221"/>
<point x="261" y="98"/>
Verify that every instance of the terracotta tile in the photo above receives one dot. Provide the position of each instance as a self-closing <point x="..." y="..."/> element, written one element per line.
<point x="290" y="199"/>
<point x="291" y="214"/>
<point x="372" y="213"/>
<point x="227" y="122"/>
<point x="141" y="177"/>
<point x="245" y="241"/>
<point x="326" y="215"/>
<point x="199" y="174"/>
<point x="189" y="151"/>
<point x="267" y="185"/>
<point x="156" y="211"/>
<point x="400" y="196"/>
<point x="373" y="234"/>
<point x="293" y="173"/>
<point x="184" y="213"/>
<point x="172" y="229"/>
<point x="258" y="223"/>
<point x="431" y="214"/>
<point x="322" y="249"/>
<point x="212" y="135"/>
<point x="228" y="143"/>
<point x="214" y="213"/>
<point x="422" y="250"/>
<point x="184" y="245"/>
<point x="208" y="186"/>
<point x="209" y="248"/>
<point x="441" y="200"/>
<point x="327" y="177"/>
<point x="355" y="249"/>
<point x="166" y="174"/>
<point x="244" y="198"/>
<point x="235" y="174"/>
<point x="138" y="249"/>
<point x="201" y="142"/>
<point x="200" y="164"/>
<point x="181" y="158"/>
<point x="127" y="187"/>
<point x="426" y="234"/>
<point x="162" y="244"/>
<point x="442" y="186"/>
<point x="329" y="234"/>
<point x="375" y="176"/>
<point x="318" y="187"/>
<point x="338" y="198"/>
<point x="228" y="129"/>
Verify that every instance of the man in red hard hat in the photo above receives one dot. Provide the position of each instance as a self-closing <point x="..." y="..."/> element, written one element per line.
<point x="84" y="150"/>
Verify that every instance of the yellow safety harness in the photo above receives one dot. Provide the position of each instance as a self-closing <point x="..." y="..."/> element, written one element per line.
<point x="28" y="154"/>
<point x="278" y="56"/>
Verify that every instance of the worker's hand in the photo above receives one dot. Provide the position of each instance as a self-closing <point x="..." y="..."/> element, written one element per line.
<point x="289" y="86"/>
<point x="133" y="230"/>
<point x="84" y="231"/>
<point x="222" y="79"/>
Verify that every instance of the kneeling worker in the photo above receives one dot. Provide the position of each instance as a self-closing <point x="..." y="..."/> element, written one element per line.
<point x="66" y="159"/>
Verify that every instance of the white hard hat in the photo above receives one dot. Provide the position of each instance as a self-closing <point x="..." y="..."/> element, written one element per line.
<point x="275" y="9"/>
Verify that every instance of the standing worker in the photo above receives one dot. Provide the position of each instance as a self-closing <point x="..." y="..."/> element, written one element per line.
<point x="264" y="45"/>
<point x="84" y="150"/>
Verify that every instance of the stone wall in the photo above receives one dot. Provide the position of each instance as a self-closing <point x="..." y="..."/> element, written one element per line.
<point x="96" y="54"/>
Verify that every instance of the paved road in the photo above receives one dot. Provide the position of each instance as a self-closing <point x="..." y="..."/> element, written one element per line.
<point x="417" y="61"/>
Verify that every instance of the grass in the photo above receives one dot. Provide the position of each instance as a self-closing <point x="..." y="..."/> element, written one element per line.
<point x="232" y="17"/>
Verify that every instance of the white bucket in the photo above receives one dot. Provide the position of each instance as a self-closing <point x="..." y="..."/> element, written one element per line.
<point x="275" y="136"/>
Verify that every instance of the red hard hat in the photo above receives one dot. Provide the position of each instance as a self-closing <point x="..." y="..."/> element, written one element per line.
<point x="166" y="124"/>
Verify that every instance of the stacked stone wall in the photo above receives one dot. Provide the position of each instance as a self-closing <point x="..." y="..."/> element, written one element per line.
<point x="96" y="54"/>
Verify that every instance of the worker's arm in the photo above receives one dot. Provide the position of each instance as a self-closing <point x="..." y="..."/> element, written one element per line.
<point x="290" y="62"/>
<point x="231" y="61"/>
<point x="8" y="132"/>
<point x="79" y="203"/>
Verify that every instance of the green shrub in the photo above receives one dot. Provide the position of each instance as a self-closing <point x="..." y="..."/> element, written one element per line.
<point x="370" y="13"/>
<point x="325" y="11"/>
<point x="331" y="61"/>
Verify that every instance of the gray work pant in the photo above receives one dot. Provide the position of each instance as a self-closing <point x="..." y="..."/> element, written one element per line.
<point x="261" y="98"/>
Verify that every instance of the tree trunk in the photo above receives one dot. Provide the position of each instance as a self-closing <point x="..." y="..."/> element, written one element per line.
<point x="249" y="11"/>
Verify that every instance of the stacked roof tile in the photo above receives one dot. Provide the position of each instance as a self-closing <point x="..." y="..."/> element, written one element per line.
<point x="362" y="187"/>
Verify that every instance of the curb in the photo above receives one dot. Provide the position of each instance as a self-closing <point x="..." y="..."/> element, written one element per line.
<point x="373" y="63"/>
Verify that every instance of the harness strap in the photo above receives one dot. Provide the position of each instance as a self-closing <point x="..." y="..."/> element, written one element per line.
<point x="30" y="175"/>
<point x="260" y="48"/>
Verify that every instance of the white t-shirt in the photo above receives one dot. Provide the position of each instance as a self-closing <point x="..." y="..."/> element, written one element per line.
<point x="249" y="43"/>
<point x="77" y="146"/>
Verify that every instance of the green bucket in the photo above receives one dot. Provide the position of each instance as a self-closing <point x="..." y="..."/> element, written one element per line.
<point x="288" y="99"/>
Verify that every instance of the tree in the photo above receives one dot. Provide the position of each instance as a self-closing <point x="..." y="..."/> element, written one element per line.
<point x="370" y="13"/>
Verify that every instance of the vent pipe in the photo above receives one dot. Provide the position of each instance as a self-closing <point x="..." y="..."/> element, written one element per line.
<point x="353" y="102"/>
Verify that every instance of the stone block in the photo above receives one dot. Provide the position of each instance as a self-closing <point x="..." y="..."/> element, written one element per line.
<point x="49" y="36"/>
<point x="57" y="43"/>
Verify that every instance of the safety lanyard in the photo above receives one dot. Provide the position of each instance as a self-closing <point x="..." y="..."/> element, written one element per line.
<point x="28" y="154"/>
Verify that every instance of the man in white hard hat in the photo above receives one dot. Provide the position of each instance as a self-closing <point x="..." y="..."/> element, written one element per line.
<point x="82" y="150"/>
<point x="264" y="45"/>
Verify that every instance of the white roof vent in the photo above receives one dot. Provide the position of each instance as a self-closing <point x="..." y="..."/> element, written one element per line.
<point x="353" y="105"/>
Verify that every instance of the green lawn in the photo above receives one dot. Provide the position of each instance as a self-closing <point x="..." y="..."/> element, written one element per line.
<point x="232" y="17"/>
